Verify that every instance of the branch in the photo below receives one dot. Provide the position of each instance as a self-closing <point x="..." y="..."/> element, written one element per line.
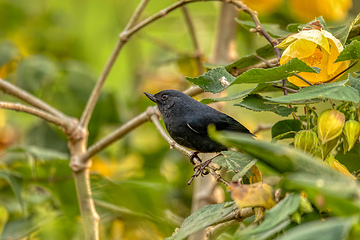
<point x="198" y="54"/>
<point x="21" y="94"/>
<point x="235" y="216"/>
<point x="123" y="38"/>
<point x="90" y="105"/>
<point x="34" y="111"/>
<point x="259" y="27"/>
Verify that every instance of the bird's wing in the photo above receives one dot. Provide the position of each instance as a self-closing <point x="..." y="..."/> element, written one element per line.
<point x="221" y="121"/>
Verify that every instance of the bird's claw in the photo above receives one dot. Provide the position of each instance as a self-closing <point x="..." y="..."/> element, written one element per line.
<point x="200" y="170"/>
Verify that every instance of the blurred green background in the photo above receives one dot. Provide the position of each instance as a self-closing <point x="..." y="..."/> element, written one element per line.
<point x="56" y="50"/>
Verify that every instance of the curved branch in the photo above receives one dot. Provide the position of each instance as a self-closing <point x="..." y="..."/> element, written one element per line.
<point x="21" y="94"/>
<point x="123" y="38"/>
<point x="90" y="105"/>
<point x="34" y="111"/>
<point x="198" y="54"/>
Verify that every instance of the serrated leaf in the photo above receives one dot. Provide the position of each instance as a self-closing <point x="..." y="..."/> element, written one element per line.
<point x="336" y="91"/>
<point x="286" y="126"/>
<point x="276" y="219"/>
<point x="257" y="103"/>
<point x="202" y="218"/>
<point x="272" y="28"/>
<point x="350" y="52"/>
<point x="235" y="161"/>
<point x="259" y="75"/>
<point x="355" y="82"/>
<point x="261" y="87"/>
<point x="210" y="81"/>
<point x="234" y="96"/>
<point x="16" y="184"/>
<point x="330" y="229"/>
<point x="252" y="59"/>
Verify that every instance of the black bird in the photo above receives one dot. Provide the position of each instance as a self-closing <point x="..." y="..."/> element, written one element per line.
<point x="187" y="120"/>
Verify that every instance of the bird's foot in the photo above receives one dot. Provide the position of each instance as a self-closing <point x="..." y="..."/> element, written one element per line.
<point x="194" y="155"/>
<point x="200" y="170"/>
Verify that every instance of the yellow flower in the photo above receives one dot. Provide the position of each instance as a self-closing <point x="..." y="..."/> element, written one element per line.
<point x="317" y="48"/>
<point x="263" y="6"/>
<point x="331" y="10"/>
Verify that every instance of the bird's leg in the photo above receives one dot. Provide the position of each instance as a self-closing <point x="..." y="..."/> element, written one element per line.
<point x="200" y="169"/>
<point x="194" y="155"/>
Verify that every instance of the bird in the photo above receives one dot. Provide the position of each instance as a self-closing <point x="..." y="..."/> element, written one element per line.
<point x="187" y="121"/>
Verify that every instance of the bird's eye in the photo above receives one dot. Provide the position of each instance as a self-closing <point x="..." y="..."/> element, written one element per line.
<point x="164" y="97"/>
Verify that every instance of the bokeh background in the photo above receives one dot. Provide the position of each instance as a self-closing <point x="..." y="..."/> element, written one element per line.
<point x="56" y="50"/>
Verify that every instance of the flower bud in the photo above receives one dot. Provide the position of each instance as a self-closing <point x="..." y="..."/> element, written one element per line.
<point x="351" y="132"/>
<point x="306" y="140"/>
<point x="330" y="125"/>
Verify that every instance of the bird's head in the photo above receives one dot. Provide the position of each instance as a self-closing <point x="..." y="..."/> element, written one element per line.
<point x="166" y="99"/>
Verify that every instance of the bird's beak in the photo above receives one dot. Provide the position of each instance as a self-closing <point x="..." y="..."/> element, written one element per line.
<point x="150" y="96"/>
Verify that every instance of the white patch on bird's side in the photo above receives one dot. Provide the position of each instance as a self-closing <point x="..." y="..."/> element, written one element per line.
<point x="191" y="128"/>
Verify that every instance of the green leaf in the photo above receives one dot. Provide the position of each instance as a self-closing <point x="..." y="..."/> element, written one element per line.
<point x="252" y="59"/>
<point x="279" y="157"/>
<point x="302" y="171"/>
<point x="355" y="82"/>
<point x="40" y="153"/>
<point x="235" y="161"/>
<point x="16" y="184"/>
<point x="202" y="218"/>
<point x="342" y="32"/>
<point x="35" y="72"/>
<point x="8" y="52"/>
<point x="336" y="91"/>
<point x="323" y="191"/>
<point x="257" y="103"/>
<point x="330" y="229"/>
<point x="237" y="95"/>
<point x="276" y="219"/>
<point x="261" y="87"/>
<point x="210" y="81"/>
<point x="350" y="52"/>
<point x="272" y="28"/>
<point x="259" y="75"/>
<point x="286" y="126"/>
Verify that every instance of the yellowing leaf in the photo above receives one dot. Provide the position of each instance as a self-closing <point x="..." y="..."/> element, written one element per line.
<point x="255" y="175"/>
<point x="252" y="195"/>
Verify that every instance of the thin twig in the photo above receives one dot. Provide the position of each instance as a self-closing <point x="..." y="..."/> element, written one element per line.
<point x="23" y="95"/>
<point x="235" y="216"/>
<point x="257" y="23"/>
<point x="306" y="81"/>
<point x="34" y="111"/>
<point x="269" y="64"/>
<point x="236" y="72"/>
<point x="288" y="89"/>
<point x="190" y="25"/>
<point x="90" y="105"/>
<point x="114" y="136"/>
<point x="123" y="38"/>
<point x="342" y="72"/>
